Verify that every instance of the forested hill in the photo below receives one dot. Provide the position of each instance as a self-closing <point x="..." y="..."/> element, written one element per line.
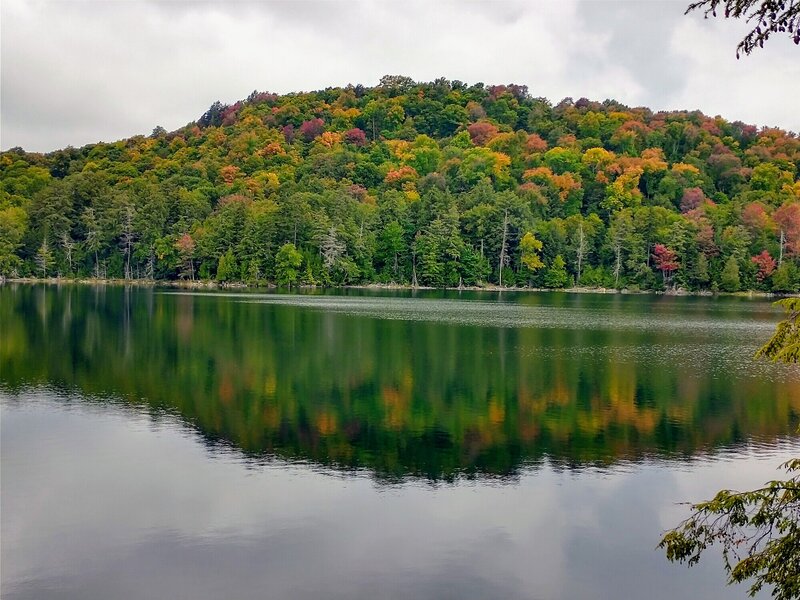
<point x="436" y="184"/>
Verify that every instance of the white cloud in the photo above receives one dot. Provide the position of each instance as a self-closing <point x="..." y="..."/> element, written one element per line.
<point x="77" y="72"/>
<point x="762" y="88"/>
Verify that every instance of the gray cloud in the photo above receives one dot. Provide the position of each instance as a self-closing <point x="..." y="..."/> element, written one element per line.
<point x="76" y="72"/>
<point x="638" y="35"/>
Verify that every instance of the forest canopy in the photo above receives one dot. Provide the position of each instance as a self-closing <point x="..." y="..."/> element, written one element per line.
<point x="438" y="184"/>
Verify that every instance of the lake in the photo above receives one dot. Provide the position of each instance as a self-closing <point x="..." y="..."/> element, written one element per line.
<point x="172" y="444"/>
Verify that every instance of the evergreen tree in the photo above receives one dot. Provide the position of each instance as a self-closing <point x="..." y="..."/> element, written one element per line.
<point x="729" y="278"/>
<point x="287" y="264"/>
<point x="557" y="276"/>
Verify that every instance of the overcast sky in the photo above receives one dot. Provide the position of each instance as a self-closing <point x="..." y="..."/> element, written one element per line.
<point x="76" y="72"/>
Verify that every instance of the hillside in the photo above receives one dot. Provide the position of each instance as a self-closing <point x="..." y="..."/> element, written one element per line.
<point x="437" y="184"/>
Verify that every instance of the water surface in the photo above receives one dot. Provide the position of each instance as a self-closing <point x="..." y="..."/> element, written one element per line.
<point x="362" y="445"/>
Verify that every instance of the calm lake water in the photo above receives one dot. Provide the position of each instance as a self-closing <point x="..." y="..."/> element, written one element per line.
<point x="162" y="444"/>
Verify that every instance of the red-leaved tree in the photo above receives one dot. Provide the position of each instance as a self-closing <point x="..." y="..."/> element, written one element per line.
<point x="311" y="129"/>
<point x="766" y="265"/>
<point x="481" y="132"/>
<point x="665" y="260"/>
<point x="787" y="218"/>
<point x="356" y="136"/>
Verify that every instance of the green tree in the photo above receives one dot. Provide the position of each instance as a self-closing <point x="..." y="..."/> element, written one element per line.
<point x="390" y="245"/>
<point x="729" y="278"/>
<point x="287" y="264"/>
<point x="530" y="257"/>
<point x="44" y="257"/>
<point x="13" y="224"/>
<point x="700" y="274"/>
<point x="226" y="268"/>
<point x="557" y="276"/>
<point x="783" y="279"/>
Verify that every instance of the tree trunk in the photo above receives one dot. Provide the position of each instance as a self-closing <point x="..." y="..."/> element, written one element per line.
<point x="503" y="248"/>
<point x="581" y="251"/>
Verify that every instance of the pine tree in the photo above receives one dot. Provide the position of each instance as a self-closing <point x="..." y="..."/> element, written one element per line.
<point x="557" y="276"/>
<point x="729" y="278"/>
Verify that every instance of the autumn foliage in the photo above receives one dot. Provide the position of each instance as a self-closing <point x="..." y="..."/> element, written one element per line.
<point x="438" y="183"/>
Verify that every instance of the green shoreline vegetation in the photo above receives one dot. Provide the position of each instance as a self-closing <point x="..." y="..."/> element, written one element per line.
<point x="438" y="184"/>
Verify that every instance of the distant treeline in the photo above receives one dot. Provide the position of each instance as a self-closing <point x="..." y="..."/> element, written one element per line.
<point x="438" y="184"/>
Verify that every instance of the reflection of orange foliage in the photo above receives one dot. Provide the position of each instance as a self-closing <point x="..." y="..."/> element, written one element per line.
<point x="621" y="386"/>
<point x="529" y="430"/>
<point x="560" y="393"/>
<point x="391" y="397"/>
<point x="271" y="416"/>
<point x="497" y="412"/>
<point x="326" y="423"/>
<point x="793" y="397"/>
<point x="270" y="385"/>
<point x="185" y="320"/>
<point x="226" y="389"/>
<point x="642" y="419"/>
<point x="395" y="402"/>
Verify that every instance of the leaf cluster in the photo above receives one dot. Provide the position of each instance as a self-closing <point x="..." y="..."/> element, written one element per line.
<point x="758" y="531"/>
<point x="784" y="346"/>
<point x="768" y="17"/>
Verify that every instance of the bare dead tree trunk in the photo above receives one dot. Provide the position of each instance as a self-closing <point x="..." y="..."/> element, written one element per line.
<point x="149" y="272"/>
<point x="503" y="254"/>
<point x="581" y="251"/>
<point x="127" y="239"/>
<point x="68" y="245"/>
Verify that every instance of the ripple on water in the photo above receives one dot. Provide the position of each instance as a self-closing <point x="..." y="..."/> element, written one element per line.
<point x="491" y="313"/>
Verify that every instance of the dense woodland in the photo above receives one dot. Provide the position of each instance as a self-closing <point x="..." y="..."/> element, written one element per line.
<point x="430" y="184"/>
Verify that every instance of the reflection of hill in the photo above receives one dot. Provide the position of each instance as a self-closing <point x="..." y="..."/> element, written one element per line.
<point x="396" y="397"/>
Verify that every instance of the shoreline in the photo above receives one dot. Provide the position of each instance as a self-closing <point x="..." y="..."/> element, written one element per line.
<point x="213" y="285"/>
